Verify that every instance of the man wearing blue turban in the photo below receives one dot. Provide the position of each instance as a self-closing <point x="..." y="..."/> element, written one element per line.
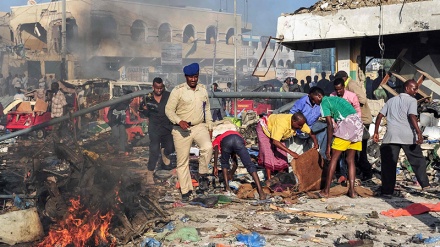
<point x="189" y="110"/>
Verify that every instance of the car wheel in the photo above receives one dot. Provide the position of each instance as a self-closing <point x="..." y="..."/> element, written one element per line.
<point x="40" y="134"/>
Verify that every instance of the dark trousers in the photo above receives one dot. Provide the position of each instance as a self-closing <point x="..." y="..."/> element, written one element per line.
<point x="389" y="154"/>
<point x="216" y="114"/>
<point x="119" y="137"/>
<point x="159" y="138"/>
<point x="362" y="161"/>
<point x="234" y="144"/>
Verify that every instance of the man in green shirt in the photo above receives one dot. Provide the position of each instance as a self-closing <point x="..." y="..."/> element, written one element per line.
<point x="347" y="135"/>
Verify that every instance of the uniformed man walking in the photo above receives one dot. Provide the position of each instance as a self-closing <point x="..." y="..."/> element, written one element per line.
<point x="188" y="109"/>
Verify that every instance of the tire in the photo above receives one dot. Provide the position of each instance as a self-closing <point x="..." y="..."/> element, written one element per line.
<point x="40" y="134"/>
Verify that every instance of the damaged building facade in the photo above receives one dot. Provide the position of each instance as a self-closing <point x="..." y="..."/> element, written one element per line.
<point x="361" y="30"/>
<point x="131" y="40"/>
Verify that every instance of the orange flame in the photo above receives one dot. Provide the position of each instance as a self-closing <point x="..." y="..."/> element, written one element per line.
<point x="79" y="228"/>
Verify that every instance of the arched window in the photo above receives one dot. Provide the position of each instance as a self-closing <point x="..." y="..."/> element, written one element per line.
<point x="263" y="63"/>
<point x="288" y="64"/>
<point x="164" y="32"/>
<point x="230" y="36"/>
<point x="210" y="35"/>
<point x="189" y="34"/>
<point x="281" y="64"/>
<point x="272" y="46"/>
<point x="137" y="30"/>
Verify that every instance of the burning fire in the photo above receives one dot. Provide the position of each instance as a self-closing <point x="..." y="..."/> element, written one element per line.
<point x="80" y="228"/>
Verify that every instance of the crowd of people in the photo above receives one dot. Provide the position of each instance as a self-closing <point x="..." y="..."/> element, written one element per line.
<point x="333" y="118"/>
<point x="12" y="84"/>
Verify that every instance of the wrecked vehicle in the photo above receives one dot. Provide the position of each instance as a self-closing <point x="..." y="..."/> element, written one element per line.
<point x="26" y="115"/>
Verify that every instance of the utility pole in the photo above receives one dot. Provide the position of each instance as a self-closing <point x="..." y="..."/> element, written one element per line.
<point x="235" y="56"/>
<point x="215" y="53"/>
<point x="63" y="42"/>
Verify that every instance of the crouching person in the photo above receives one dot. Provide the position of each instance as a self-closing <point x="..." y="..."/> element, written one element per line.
<point x="271" y="132"/>
<point x="231" y="144"/>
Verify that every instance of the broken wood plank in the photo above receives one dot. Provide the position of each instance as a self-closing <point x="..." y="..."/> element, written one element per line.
<point x="241" y="228"/>
<point x="154" y="206"/>
<point x="310" y="214"/>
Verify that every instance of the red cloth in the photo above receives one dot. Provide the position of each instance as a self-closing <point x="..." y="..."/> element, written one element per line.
<point x="219" y="138"/>
<point x="194" y="183"/>
<point x="413" y="209"/>
<point x="132" y="131"/>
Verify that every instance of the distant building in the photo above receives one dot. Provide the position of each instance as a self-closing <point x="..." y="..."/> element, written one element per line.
<point x="136" y="41"/>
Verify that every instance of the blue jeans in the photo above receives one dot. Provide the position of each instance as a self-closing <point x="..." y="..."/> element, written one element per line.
<point x="320" y="130"/>
<point x="234" y="144"/>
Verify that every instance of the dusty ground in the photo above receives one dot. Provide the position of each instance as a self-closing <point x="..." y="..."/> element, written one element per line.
<point x="221" y="224"/>
<point x="262" y="219"/>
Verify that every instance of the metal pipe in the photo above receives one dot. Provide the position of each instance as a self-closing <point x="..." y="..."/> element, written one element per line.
<point x="215" y="53"/>
<point x="63" y="42"/>
<point x="75" y="114"/>
<point x="261" y="95"/>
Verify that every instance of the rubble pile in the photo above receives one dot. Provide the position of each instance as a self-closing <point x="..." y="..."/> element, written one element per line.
<point x="79" y="184"/>
<point x="335" y="5"/>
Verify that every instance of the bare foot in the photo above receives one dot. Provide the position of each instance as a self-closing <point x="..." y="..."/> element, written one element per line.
<point x="322" y="194"/>
<point x="263" y="196"/>
<point x="352" y="194"/>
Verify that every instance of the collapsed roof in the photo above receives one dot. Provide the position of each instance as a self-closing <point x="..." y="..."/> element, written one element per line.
<point x="334" y="5"/>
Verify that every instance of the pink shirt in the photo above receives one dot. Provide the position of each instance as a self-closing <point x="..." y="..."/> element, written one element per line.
<point x="352" y="98"/>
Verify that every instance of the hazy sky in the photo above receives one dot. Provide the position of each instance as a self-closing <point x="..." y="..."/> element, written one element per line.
<point x="263" y="14"/>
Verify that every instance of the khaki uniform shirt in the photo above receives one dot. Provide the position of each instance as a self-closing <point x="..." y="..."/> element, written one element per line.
<point x="189" y="105"/>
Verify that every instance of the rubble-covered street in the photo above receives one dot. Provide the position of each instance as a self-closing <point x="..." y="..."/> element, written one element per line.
<point x="38" y="174"/>
<point x="151" y="123"/>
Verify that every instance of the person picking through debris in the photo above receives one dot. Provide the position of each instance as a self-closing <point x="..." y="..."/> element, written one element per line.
<point x="309" y="106"/>
<point x="159" y="129"/>
<point x="271" y="131"/>
<point x="347" y="136"/>
<point x="404" y="133"/>
<point x="189" y="110"/>
<point x="366" y="117"/>
<point x="352" y="98"/>
<point x="231" y="144"/>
